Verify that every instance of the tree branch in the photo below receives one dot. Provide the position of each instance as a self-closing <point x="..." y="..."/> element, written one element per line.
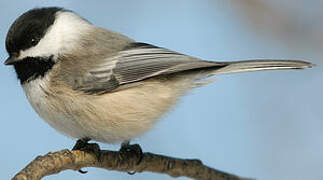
<point x="53" y="163"/>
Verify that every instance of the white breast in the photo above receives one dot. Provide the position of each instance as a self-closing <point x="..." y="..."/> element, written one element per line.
<point x="111" y="117"/>
<point x="38" y="98"/>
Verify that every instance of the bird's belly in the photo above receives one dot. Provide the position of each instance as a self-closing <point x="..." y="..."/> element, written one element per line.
<point x="111" y="117"/>
<point x="52" y="108"/>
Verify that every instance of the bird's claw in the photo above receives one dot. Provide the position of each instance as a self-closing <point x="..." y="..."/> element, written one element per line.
<point x="83" y="145"/>
<point x="127" y="149"/>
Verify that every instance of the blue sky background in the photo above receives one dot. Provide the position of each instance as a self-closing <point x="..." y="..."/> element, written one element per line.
<point x="264" y="125"/>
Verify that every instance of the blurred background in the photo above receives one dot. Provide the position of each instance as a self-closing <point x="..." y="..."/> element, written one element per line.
<point x="264" y="125"/>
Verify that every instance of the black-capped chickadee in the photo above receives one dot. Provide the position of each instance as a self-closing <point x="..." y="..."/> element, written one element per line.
<point x="92" y="83"/>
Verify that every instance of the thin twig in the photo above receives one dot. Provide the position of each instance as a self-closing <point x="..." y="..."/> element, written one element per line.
<point x="53" y="163"/>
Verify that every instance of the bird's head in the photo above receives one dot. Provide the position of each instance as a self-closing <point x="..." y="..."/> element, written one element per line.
<point x="43" y="33"/>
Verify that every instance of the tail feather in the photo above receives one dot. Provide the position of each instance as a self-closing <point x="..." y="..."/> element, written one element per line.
<point x="263" y="64"/>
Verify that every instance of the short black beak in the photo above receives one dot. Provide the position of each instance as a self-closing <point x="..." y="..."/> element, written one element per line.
<point x="11" y="60"/>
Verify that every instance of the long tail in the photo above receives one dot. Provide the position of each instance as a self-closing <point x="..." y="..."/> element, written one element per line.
<point x="263" y="64"/>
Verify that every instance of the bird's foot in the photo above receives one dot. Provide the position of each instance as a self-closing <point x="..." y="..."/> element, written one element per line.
<point x="83" y="145"/>
<point x="127" y="148"/>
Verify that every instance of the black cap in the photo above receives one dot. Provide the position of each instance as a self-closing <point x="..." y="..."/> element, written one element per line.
<point x="29" y="28"/>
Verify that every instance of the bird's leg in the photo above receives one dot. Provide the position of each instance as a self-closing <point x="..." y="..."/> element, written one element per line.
<point x="83" y="145"/>
<point x="127" y="148"/>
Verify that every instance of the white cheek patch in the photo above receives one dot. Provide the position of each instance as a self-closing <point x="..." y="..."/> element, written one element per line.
<point x="47" y="46"/>
<point x="61" y="37"/>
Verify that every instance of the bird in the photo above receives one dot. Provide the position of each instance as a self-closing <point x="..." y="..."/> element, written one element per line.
<point x="91" y="83"/>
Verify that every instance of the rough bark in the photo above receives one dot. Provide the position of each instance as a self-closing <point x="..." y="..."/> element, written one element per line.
<point x="53" y="163"/>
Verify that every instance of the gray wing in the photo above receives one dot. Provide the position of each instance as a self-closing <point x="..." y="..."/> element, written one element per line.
<point x="137" y="62"/>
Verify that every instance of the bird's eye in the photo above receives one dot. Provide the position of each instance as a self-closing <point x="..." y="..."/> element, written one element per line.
<point x="34" y="41"/>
